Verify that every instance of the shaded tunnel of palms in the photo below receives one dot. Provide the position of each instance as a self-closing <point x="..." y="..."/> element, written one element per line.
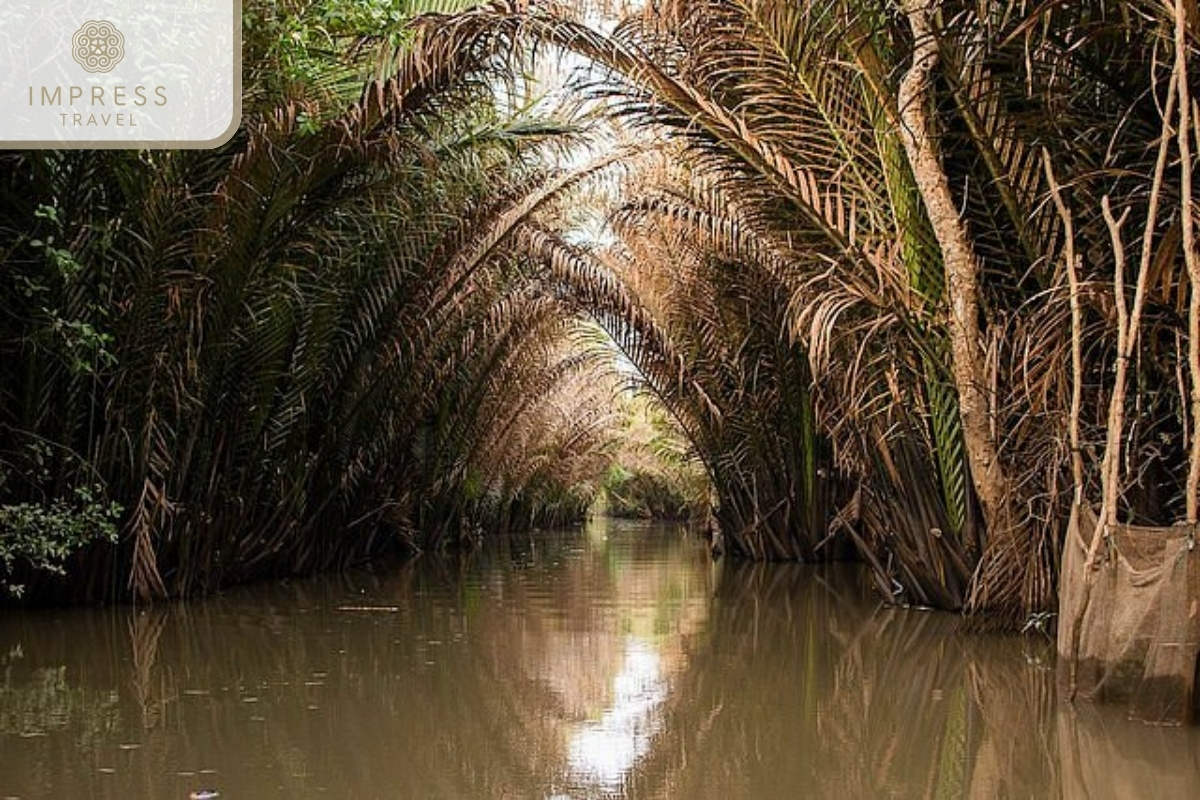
<point x="310" y="344"/>
<point x="938" y="419"/>
<point x="372" y="323"/>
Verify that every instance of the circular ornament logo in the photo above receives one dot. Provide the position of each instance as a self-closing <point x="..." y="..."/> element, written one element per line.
<point x="98" y="46"/>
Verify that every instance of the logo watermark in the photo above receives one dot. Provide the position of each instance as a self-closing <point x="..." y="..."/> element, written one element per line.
<point x="119" y="73"/>
<point x="98" y="46"/>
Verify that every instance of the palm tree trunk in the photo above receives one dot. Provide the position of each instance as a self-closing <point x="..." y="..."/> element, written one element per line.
<point x="962" y="284"/>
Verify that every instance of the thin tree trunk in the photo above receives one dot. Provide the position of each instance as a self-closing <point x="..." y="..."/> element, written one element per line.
<point x="1072" y="264"/>
<point x="1184" y="136"/>
<point x="962" y="281"/>
<point x="1128" y="329"/>
<point x="1110" y="465"/>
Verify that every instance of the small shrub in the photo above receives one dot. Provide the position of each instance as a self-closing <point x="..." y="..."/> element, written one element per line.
<point x="45" y="535"/>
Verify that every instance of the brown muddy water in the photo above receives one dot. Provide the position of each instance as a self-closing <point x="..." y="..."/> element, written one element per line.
<point x="614" y="662"/>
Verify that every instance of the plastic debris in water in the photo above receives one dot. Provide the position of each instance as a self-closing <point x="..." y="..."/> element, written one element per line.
<point x="204" y="794"/>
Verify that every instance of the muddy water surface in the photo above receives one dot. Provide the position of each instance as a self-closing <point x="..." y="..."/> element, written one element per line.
<point x="612" y="662"/>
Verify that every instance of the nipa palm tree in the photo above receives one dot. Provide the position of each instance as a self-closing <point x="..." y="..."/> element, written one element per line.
<point x="287" y="354"/>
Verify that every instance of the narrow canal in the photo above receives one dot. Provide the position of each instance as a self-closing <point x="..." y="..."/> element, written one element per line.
<point x="614" y="662"/>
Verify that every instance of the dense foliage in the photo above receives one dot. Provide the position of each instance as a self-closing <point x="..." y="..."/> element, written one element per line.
<point x="653" y="474"/>
<point x="882" y="279"/>
<point x="909" y="277"/>
<point x="295" y="351"/>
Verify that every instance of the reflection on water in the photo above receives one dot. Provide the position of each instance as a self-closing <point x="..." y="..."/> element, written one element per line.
<point x="603" y="752"/>
<point x="620" y="663"/>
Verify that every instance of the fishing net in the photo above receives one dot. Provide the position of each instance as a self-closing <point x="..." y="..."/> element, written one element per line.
<point x="1129" y="629"/>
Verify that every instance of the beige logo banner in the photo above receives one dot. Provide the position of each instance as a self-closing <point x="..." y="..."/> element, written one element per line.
<point x="119" y="73"/>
